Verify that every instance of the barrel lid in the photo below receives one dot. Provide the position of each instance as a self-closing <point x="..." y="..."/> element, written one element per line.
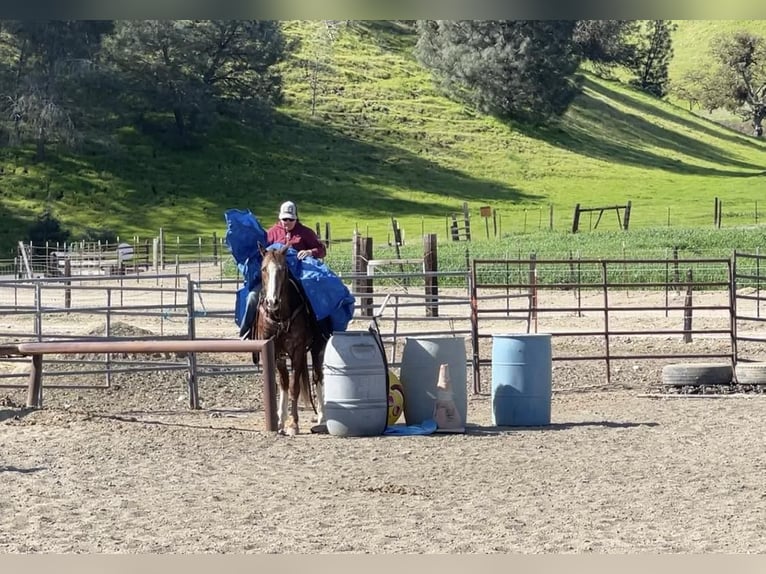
<point x="520" y="335"/>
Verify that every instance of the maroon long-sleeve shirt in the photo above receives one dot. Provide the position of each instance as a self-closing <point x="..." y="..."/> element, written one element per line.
<point x="301" y="237"/>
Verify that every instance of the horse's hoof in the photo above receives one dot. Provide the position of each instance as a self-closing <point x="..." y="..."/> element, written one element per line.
<point x="291" y="431"/>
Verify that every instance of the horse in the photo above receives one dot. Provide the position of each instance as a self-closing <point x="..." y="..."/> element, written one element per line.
<point x="284" y="314"/>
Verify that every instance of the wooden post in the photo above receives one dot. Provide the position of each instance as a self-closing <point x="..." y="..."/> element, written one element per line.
<point x="68" y="289"/>
<point x="430" y="264"/>
<point x="35" y="387"/>
<point x="453" y="228"/>
<point x="550" y="219"/>
<point x="162" y="248"/>
<point x="576" y="220"/>
<point x="688" y="308"/>
<point x="626" y="220"/>
<point x="720" y="213"/>
<point x="715" y="212"/>
<point x="467" y="221"/>
<point x="215" y="248"/>
<point x="676" y="276"/>
<point x="363" y="285"/>
<point x="269" y="385"/>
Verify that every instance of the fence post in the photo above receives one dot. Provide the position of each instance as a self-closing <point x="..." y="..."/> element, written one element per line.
<point x="533" y="288"/>
<point x="68" y="283"/>
<point x="576" y="219"/>
<point x="605" y="278"/>
<point x="362" y="254"/>
<point x="269" y="385"/>
<point x="688" y="308"/>
<point x="191" y="356"/>
<point x="35" y="388"/>
<point x="467" y="221"/>
<point x="430" y="264"/>
<point x="162" y="249"/>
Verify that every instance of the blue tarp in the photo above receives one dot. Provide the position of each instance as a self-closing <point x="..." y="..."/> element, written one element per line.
<point x="326" y="293"/>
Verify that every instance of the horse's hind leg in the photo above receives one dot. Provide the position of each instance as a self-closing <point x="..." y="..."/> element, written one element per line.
<point x="318" y="380"/>
<point x="283" y="386"/>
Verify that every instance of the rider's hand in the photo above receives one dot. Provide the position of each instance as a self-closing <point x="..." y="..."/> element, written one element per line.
<point x="303" y="253"/>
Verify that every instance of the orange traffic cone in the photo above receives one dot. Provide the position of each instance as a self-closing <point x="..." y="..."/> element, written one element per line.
<point x="446" y="414"/>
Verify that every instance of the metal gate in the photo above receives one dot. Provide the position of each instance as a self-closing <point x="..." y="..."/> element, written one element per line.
<point x="748" y="282"/>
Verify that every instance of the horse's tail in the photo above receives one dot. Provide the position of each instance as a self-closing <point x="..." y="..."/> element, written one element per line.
<point x="305" y="390"/>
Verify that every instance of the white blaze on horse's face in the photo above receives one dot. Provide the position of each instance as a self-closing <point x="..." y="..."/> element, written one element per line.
<point x="271" y="296"/>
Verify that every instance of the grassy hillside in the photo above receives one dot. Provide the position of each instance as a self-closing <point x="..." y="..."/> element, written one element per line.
<point x="382" y="142"/>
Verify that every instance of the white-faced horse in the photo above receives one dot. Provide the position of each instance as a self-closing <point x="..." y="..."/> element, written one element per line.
<point x="285" y="315"/>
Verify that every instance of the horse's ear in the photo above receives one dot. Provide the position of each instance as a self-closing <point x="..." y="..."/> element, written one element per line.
<point x="284" y="249"/>
<point x="261" y="249"/>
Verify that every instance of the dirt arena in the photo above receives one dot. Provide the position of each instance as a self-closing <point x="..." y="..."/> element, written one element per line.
<point x="132" y="470"/>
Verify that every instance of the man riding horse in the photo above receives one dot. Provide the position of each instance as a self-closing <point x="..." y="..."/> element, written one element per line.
<point x="288" y="230"/>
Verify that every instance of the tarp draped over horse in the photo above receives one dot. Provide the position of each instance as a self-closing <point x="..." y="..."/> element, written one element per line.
<point x="327" y="294"/>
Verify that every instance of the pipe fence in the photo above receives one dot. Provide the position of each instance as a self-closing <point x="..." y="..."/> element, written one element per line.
<point x="571" y="300"/>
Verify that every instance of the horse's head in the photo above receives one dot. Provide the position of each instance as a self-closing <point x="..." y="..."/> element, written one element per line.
<point x="274" y="278"/>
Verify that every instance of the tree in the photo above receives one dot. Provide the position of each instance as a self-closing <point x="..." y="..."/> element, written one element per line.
<point x="652" y="54"/>
<point x="44" y="61"/>
<point x="193" y="68"/>
<point x="741" y="76"/>
<point x="520" y="69"/>
<point x="606" y="43"/>
<point x="318" y="64"/>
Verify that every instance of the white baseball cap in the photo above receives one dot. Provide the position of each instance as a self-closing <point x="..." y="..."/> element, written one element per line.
<point x="288" y="211"/>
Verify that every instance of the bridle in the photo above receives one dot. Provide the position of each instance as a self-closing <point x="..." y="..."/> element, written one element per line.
<point x="274" y="318"/>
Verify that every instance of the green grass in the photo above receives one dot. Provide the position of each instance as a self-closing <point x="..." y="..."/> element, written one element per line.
<point x="655" y="243"/>
<point x="384" y="143"/>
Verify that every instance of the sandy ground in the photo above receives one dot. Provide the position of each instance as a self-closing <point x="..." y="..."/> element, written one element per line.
<point x="131" y="469"/>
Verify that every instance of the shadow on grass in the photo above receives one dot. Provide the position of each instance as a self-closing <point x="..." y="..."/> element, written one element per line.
<point x="322" y="168"/>
<point x="724" y="132"/>
<point x="594" y="128"/>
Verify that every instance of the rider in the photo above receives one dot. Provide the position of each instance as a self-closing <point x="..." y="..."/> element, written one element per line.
<point x="288" y="230"/>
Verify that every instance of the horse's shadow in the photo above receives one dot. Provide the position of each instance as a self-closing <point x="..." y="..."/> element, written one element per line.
<point x="481" y="430"/>
<point x="10" y="468"/>
<point x="145" y="418"/>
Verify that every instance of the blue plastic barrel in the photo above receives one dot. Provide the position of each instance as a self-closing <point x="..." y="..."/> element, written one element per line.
<point x="521" y="379"/>
<point x="355" y="385"/>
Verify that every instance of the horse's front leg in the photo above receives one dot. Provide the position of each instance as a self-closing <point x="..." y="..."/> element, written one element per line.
<point x="284" y="382"/>
<point x="298" y="365"/>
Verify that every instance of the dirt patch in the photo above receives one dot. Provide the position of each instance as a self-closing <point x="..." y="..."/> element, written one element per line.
<point x="130" y="469"/>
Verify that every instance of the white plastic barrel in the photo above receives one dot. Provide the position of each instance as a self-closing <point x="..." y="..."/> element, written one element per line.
<point x="355" y="387"/>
